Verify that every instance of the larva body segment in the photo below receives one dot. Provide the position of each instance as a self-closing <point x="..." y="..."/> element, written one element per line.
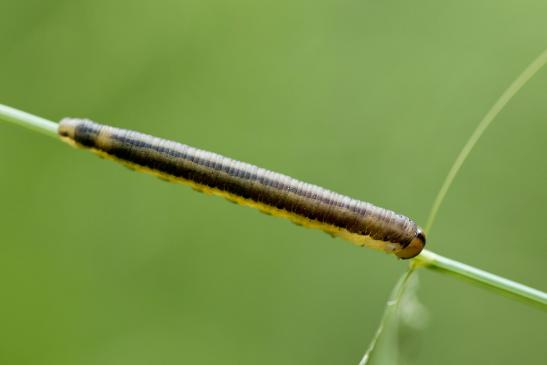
<point x="280" y="195"/>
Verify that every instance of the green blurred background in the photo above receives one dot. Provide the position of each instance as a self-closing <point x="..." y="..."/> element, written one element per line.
<point x="374" y="99"/>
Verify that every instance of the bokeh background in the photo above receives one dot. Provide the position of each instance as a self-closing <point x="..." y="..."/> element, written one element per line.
<point x="374" y="99"/>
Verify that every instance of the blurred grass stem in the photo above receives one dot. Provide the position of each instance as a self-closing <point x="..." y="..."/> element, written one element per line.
<point x="391" y="310"/>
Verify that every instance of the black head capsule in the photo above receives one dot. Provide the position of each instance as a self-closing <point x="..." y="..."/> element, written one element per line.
<point x="414" y="247"/>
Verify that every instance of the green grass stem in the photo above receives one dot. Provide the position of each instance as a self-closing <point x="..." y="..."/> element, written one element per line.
<point x="30" y="121"/>
<point x="511" y="288"/>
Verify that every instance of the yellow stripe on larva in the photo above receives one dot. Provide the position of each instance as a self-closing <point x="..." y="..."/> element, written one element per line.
<point x="276" y="194"/>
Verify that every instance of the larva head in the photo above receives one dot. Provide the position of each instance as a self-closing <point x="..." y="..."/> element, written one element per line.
<point x="414" y="247"/>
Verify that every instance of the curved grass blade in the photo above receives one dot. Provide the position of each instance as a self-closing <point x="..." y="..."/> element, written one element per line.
<point x="507" y="95"/>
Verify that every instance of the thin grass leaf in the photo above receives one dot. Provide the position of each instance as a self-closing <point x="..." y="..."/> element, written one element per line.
<point x="507" y="95"/>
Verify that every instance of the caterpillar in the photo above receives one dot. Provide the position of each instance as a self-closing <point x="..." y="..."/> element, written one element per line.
<point x="305" y="204"/>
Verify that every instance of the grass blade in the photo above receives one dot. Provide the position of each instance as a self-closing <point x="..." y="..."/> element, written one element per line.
<point x="526" y="75"/>
<point x="30" y="121"/>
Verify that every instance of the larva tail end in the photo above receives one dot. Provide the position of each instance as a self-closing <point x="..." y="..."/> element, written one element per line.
<point x="414" y="247"/>
<point x="67" y="128"/>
